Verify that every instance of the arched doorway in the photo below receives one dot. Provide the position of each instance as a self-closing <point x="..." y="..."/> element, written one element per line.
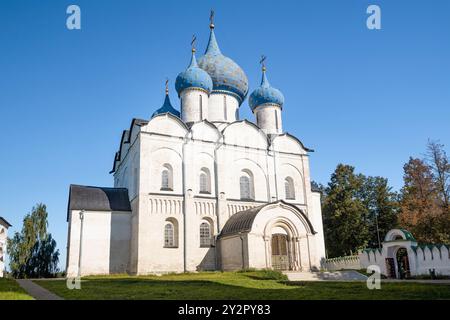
<point x="280" y="255"/>
<point x="403" y="270"/>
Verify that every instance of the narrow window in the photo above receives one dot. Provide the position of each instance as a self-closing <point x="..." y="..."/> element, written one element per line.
<point x="289" y="188"/>
<point x="276" y="119"/>
<point x="205" y="235"/>
<point x="225" y="107"/>
<point x="181" y="108"/>
<point x="203" y="183"/>
<point x="165" y="179"/>
<point x="169" y="236"/>
<point x="201" y="107"/>
<point x="245" y="187"/>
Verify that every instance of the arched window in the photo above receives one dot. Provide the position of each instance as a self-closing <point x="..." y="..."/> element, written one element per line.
<point x="246" y="186"/>
<point x="169" y="235"/>
<point x="289" y="188"/>
<point x="167" y="178"/>
<point x="205" y="235"/>
<point x="205" y="181"/>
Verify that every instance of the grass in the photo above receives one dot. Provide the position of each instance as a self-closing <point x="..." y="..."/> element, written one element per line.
<point x="10" y="290"/>
<point x="249" y="285"/>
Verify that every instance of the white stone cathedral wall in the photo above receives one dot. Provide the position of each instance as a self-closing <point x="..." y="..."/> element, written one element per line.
<point x="257" y="253"/>
<point x="153" y="256"/>
<point x="105" y="243"/>
<point x="318" y="240"/>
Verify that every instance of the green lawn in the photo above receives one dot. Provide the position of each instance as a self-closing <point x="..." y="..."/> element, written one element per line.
<point x="237" y="285"/>
<point x="10" y="290"/>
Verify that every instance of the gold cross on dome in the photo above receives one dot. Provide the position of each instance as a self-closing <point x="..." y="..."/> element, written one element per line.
<point x="211" y="19"/>
<point x="263" y="62"/>
<point x="194" y="39"/>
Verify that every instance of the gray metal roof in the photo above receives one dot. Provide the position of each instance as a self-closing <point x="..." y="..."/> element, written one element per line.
<point x="4" y="222"/>
<point x="98" y="199"/>
<point x="241" y="222"/>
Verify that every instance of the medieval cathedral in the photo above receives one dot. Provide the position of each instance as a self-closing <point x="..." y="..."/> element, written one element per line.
<point x="201" y="189"/>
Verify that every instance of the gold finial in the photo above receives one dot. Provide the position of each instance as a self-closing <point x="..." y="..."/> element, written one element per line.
<point x="263" y="63"/>
<point x="211" y="19"/>
<point x="167" y="86"/>
<point x="194" y="39"/>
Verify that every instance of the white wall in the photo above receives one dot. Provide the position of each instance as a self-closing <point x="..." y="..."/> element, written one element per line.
<point x="421" y="260"/>
<point x="217" y="110"/>
<point x="342" y="263"/>
<point x="191" y="110"/>
<point x="105" y="247"/>
<point x="3" y="237"/>
<point x="269" y="119"/>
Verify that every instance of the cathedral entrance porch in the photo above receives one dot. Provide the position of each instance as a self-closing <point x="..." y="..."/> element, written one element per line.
<point x="273" y="236"/>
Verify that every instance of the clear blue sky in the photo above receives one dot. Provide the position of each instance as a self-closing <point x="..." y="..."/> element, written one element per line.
<point x="361" y="97"/>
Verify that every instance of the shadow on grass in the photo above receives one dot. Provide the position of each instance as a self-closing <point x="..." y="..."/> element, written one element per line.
<point x="239" y="289"/>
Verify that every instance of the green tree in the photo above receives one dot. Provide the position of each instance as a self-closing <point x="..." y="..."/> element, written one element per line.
<point x="344" y="213"/>
<point x="33" y="252"/>
<point x="382" y="207"/>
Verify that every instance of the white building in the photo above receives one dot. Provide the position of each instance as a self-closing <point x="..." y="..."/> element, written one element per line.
<point x="201" y="189"/>
<point x="4" y="225"/>
<point x="402" y="257"/>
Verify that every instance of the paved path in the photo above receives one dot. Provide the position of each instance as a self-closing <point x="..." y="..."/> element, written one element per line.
<point x="445" y="282"/>
<point x="350" y="276"/>
<point x="326" y="276"/>
<point x="37" y="291"/>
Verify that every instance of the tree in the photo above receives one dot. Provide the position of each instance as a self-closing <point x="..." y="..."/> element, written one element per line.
<point x="344" y="213"/>
<point x="33" y="252"/>
<point x="420" y="212"/>
<point x="440" y="165"/>
<point x="382" y="206"/>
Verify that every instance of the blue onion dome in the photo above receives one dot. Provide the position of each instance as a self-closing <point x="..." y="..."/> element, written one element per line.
<point x="225" y="73"/>
<point x="167" y="106"/>
<point x="265" y="94"/>
<point x="193" y="77"/>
